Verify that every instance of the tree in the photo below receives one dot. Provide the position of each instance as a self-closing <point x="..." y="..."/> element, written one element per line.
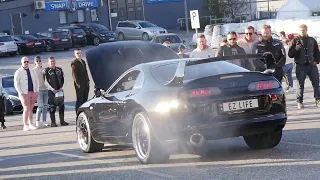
<point x="226" y="8"/>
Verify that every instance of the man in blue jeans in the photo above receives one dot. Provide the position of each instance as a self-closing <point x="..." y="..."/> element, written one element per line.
<point x="305" y="52"/>
<point x="287" y="68"/>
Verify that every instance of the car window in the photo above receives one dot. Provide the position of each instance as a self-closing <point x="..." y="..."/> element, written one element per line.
<point x="146" y="24"/>
<point x="60" y="35"/>
<point x="28" y="37"/>
<point x="126" y="83"/>
<point x="171" y="39"/>
<point x="7" y="82"/>
<point x="6" y="39"/>
<point x="99" y="27"/>
<point x="164" y="73"/>
<point x="77" y="31"/>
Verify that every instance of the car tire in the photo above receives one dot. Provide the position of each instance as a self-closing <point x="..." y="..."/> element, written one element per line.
<point x="152" y="151"/>
<point x="8" y="107"/>
<point x="13" y="53"/>
<point x="121" y="36"/>
<point x="49" y="48"/>
<point x="96" y="41"/>
<point x="264" y="141"/>
<point x="66" y="49"/>
<point x="84" y="136"/>
<point x="145" y="37"/>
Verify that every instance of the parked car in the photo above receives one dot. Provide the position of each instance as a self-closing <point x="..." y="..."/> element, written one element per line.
<point x="97" y="33"/>
<point x="29" y="44"/>
<point x="135" y="29"/>
<point x="55" y="40"/>
<point x="77" y="35"/>
<point x="11" y="98"/>
<point x="174" y="39"/>
<point x="8" y="45"/>
<point x="156" y="105"/>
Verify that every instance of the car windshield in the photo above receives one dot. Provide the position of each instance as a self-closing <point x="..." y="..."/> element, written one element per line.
<point x="171" y="39"/>
<point x="146" y="24"/>
<point x="99" y="27"/>
<point x="77" y="31"/>
<point x="28" y="37"/>
<point x="7" y="82"/>
<point x="6" y="39"/>
<point x="164" y="73"/>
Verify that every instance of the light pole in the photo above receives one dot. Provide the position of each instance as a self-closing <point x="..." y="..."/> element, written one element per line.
<point x="186" y="15"/>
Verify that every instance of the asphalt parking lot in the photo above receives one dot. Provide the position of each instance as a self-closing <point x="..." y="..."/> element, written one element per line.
<point x="53" y="153"/>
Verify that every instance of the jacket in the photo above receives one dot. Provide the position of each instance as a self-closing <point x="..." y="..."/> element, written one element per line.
<point x="54" y="78"/>
<point x="276" y="48"/>
<point x="40" y="75"/>
<point x="21" y="80"/>
<point x="80" y="73"/>
<point x="228" y="50"/>
<point x="312" y="51"/>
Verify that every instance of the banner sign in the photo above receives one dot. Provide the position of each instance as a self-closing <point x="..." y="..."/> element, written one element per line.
<point x="71" y="5"/>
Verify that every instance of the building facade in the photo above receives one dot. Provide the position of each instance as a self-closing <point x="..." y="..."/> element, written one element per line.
<point x="30" y="16"/>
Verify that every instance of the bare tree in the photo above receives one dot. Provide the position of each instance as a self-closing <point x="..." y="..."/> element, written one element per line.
<point x="226" y="8"/>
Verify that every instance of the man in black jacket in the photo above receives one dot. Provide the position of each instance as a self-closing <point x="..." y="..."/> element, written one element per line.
<point x="80" y="78"/>
<point x="231" y="49"/>
<point x="305" y="52"/>
<point x="54" y="81"/>
<point x="2" y="120"/>
<point x="275" y="47"/>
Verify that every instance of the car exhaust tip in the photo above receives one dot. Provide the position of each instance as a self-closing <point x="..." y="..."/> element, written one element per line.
<point x="196" y="140"/>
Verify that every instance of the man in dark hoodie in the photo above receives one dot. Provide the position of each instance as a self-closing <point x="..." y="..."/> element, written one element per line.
<point x="231" y="49"/>
<point x="80" y="78"/>
<point x="305" y="52"/>
<point x="2" y="120"/>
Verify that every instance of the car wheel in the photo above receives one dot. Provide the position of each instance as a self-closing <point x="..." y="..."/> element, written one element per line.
<point x="84" y="136"/>
<point x="8" y="107"/>
<point x="145" y="37"/>
<point x="121" y="37"/>
<point x="147" y="147"/>
<point x="48" y="47"/>
<point x="13" y="53"/>
<point x="264" y="141"/>
<point x="96" y="41"/>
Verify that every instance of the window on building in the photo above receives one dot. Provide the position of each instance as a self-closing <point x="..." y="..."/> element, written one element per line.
<point x="130" y="9"/>
<point x="113" y="2"/>
<point x="94" y="15"/>
<point x="63" y="17"/>
<point x="138" y="1"/>
<point x="130" y="1"/>
<point x="139" y="8"/>
<point x="81" y="16"/>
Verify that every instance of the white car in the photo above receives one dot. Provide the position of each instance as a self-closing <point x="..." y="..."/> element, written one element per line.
<point x="8" y="45"/>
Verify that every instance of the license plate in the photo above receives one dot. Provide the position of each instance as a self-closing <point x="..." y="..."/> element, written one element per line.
<point x="64" y="39"/>
<point x="80" y="36"/>
<point x="38" y="43"/>
<point x="111" y="39"/>
<point x="240" y="105"/>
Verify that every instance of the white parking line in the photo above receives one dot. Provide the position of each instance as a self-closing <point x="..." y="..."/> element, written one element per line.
<point x="301" y="144"/>
<point x="146" y="171"/>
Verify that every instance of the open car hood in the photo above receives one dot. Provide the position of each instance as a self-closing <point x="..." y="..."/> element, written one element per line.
<point x="108" y="61"/>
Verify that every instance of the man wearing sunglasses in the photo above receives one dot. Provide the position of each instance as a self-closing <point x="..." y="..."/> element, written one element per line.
<point x="273" y="46"/>
<point x="231" y="49"/>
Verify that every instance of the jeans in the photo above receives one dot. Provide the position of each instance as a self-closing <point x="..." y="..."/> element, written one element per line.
<point x="302" y="71"/>
<point x="287" y="69"/>
<point x="82" y="96"/>
<point x="42" y="102"/>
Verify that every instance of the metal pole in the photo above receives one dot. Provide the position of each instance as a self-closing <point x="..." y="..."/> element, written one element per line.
<point x="110" y="20"/>
<point x="250" y="10"/>
<point x="186" y="15"/>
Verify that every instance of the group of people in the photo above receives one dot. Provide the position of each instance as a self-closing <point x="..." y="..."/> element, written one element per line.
<point x="301" y="52"/>
<point x="45" y="86"/>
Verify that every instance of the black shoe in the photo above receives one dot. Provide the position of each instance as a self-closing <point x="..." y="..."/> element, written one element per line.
<point x="3" y="126"/>
<point x="54" y="125"/>
<point x="64" y="123"/>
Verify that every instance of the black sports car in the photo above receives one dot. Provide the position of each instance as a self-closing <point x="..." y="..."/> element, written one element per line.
<point x="156" y="105"/>
<point x="11" y="99"/>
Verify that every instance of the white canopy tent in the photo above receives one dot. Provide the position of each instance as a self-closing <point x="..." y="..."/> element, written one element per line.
<point x="294" y="9"/>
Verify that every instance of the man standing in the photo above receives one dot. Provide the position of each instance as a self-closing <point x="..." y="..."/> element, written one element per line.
<point x="305" y="52"/>
<point x="203" y="50"/>
<point x="80" y="78"/>
<point x="54" y="81"/>
<point x="275" y="47"/>
<point x="2" y="120"/>
<point x="231" y="49"/>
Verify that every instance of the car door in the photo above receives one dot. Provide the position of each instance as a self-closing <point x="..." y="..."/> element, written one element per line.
<point x="136" y="30"/>
<point x="110" y="110"/>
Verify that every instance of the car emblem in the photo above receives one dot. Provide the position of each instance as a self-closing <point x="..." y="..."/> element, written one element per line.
<point x="233" y="83"/>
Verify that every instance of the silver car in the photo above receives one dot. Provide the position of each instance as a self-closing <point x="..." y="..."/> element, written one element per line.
<point x="142" y="30"/>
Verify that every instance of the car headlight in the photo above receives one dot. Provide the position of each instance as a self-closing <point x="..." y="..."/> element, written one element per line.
<point x="14" y="98"/>
<point x="167" y="106"/>
<point x="153" y="32"/>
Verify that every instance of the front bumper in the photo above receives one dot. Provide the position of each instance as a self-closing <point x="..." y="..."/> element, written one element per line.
<point x="9" y="50"/>
<point x="105" y="39"/>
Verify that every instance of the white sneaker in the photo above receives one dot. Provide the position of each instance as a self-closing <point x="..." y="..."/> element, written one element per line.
<point x="38" y="124"/>
<point x="291" y="89"/>
<point x="32" y="127"/>
<point x="44" y="124"/>
<point x="25" y="128"/>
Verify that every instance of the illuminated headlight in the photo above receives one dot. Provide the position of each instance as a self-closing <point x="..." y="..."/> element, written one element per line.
<point x="14" y="98"/>
<point x="167" y="106"/>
